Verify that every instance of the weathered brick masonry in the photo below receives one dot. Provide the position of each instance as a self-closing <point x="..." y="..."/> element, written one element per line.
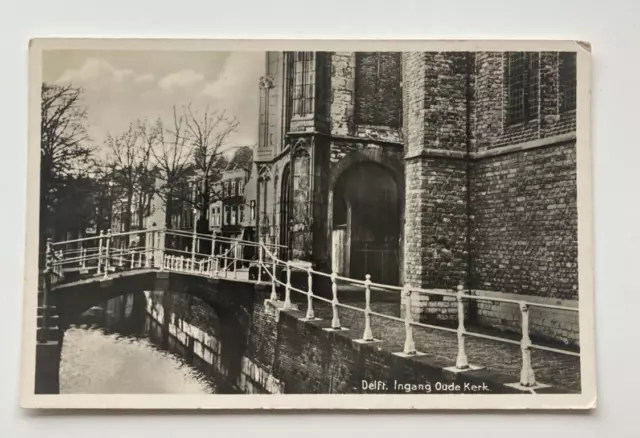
<point x="487" y="200"/>
<point x="488" y="204"/>
<point x="525" y="221"/>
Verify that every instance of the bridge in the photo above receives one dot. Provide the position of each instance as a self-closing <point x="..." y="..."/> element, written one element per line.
<point x="112" y="255"/>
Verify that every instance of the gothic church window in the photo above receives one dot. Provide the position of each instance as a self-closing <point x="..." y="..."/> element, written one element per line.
<point x="523" y="85"/>
<point x="567" y="78"/>
<point x="304" y="84"/>
<point x="378" y="89"/>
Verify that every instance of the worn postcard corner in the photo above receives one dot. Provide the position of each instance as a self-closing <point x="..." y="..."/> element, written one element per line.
<point x="378" y="225"/>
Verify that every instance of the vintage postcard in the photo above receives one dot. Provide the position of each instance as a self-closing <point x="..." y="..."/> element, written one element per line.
<point x="309" y="225"/>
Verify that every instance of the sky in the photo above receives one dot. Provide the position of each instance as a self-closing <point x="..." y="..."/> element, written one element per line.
<point x="123" y="86"/>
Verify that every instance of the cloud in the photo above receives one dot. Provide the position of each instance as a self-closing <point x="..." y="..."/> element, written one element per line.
<point x="235" y="90"/>
<point x="94" y="69"/>
<point x="241" y="70"/>
<point x="147" y="77"/>
<point x="182" y="79"/>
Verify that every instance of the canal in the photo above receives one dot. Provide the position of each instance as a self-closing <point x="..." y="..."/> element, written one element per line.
<point x="137" y="344"/>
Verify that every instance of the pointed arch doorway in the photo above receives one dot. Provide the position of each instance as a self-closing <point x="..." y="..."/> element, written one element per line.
<point x="366" y="223"/>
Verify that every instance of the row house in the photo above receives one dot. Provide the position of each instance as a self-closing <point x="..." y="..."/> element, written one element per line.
<point x="233" y="214"/>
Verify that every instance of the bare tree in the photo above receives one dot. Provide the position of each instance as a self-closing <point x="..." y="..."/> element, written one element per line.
<point x="64" y="146"/>
<point x="132" y="170"/>
<point x="172" y="154"/>
<point x="208" y="135"/>
<point x="146" y="170"/>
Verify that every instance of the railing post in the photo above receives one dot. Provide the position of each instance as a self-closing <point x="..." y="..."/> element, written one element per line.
<point x="100" y="251"/>
<point x="409" y="345"/>
<point x="216" y="264"/>
<point x="194" y="240"/>
<point x="462" y="363"/>
<point x="48" y="268"/>
<point x="335" y="320"/>
<point x="527" y="376"/>
<point x="287" y="289"/>
<point x="161" y="242"/>
<point x="367" y="335"/>
<point x="181" y="268"/>
<point x="236" y="247"/>
<point x="310" y="314"/>
<point x="260" y="261"/>
<point x="60" y="265"/>
<point x="148" y="245"/>
<point x="48" y="256"/>
<point x="106" y="253"/>
<point x="274" y="295"/>
<point x="120" y="259"/>
<point x="132" y="263"/>
<point x="213" y="252"/>
<point x="83" y="257"/>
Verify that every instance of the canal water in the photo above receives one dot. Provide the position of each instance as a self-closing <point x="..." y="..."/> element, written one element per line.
<point x="122" y="347"/>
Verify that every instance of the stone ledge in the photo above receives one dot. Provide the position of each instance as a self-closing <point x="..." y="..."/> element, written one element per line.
<point x="423" y="366"/>
<point x="494" y="152"/>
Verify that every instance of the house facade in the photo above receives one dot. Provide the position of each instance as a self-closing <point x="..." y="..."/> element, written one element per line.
<point x="233" y="213"/>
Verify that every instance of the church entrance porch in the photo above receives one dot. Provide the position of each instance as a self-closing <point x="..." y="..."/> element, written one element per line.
<point x="366" y="223"/>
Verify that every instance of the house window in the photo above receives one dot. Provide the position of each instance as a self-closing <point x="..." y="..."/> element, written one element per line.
<point x="523" y="84"/>
<point x="240" y="187"/>
<point x="303" y="93"/>
<point x="242" y="213"/>
<point x="234" y="215"/>
<point x="252" y="208"/>
<point x="568" y="79"/>
<point x="227" y="215"/>
<point x="215" y="216"/>
<point x="233" y="189"/>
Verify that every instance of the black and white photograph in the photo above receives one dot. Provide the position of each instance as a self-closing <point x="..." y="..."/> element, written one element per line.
<point x="241" y="224"/>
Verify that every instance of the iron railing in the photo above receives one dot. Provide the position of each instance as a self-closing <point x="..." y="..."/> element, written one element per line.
<point x="95" y="256"/>
<point x="527" y="375"/>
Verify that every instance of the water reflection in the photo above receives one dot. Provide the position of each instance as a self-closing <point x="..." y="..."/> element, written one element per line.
<point x="120" y="348"/>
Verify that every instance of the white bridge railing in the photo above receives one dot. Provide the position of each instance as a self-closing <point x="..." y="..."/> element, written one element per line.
<point x="160" y="249"/>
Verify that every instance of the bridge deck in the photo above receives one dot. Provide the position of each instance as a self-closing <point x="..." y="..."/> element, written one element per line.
<point x="241" y="275"/>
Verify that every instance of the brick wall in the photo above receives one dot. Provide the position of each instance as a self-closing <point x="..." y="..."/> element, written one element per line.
<point x="524" y="223"/>
<point x="544" y="323"/>
<point x="521" y="207"/>
<point x="435" y="218"/>
<point x="435" y="90"/>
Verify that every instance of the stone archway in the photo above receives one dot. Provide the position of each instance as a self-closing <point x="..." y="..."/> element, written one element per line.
<point x="366" y="223"/>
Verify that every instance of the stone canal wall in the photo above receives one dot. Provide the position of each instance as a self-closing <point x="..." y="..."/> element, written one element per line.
<point x="199" y="346"/>
<point x="274" y="351"/>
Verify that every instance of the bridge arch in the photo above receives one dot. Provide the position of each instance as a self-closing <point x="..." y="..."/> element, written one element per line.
<point x="230" y="319"/>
